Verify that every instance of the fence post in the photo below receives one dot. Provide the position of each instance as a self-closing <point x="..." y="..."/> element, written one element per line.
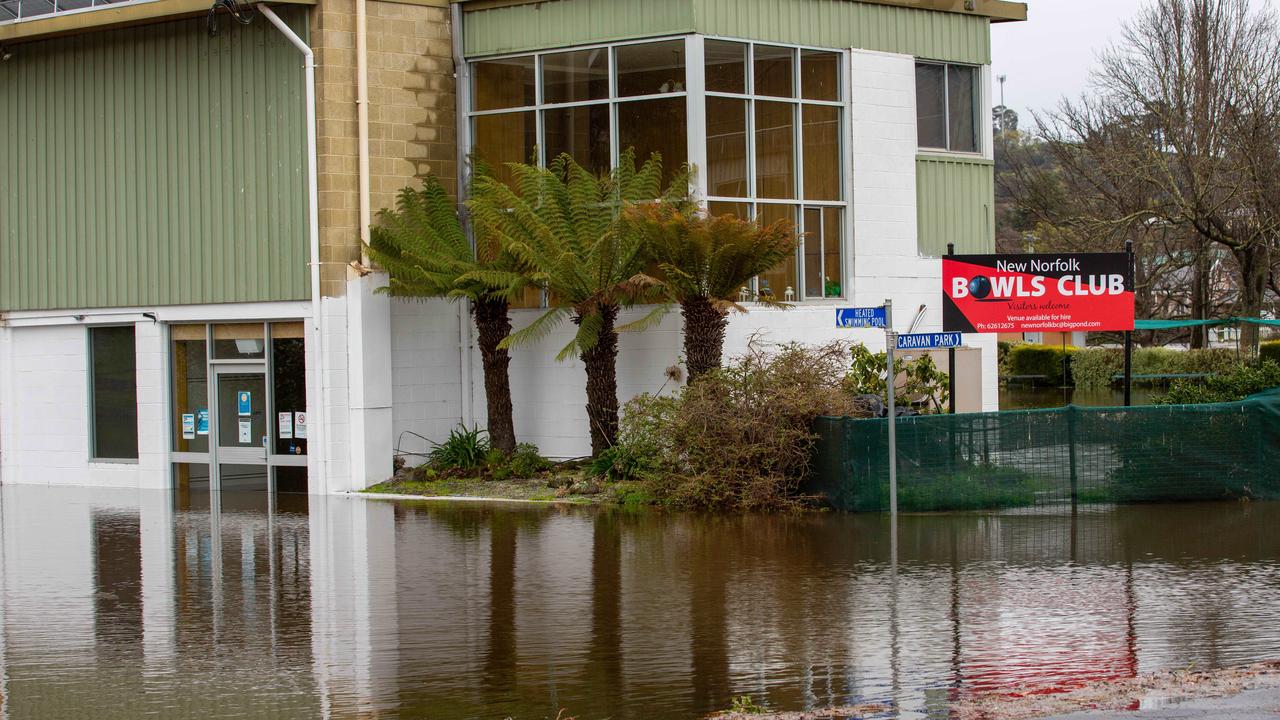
<point x="1071" y="450"/>
<point x="891" y="381"/>
<point x="1128" y="337"/>
<point x="951" y="367"/>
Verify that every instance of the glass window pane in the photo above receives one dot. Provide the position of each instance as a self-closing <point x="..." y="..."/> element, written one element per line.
<point x="659" y="126"/>
<point x="8" y="10"/>
<point x="239" y="341"/>
<point x="727" y="147"/>
<point x="582" y="132"/>
<point x="832" y="269"/>
<point x="288" y="387"/>
<point x="813" y="252"/>
<point x="736" y="209"/>
<point x="191" y="486"/>
<point x="821" y="133"/>
<point x="819" y="75"/>
<point x="650" y="68"/>
<point x="509" y="82"/>
<point x="774" y="71"/>
<point x="726" y="66"/>
<point x="575" y="76"/>
<point x="190" y="388"/>
<point x="775" y="282"/>
<point x="502" y="139"/>
<point x="775" y="150"/>
<point x="962" y="102"/>
<point x="113" y="354"/>
<point x="930" y="106"/>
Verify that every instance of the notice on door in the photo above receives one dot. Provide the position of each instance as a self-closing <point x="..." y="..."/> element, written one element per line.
<point x="300" y="425"/>
<point x="244" y="402"/>
<point x="202" y="421"/>
<point x="246" y="432"/>
<point x="188" y="426"/>
<point x="285" y="425"/>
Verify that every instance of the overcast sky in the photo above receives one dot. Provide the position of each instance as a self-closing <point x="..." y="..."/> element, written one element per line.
<point x="1051" y="54"/>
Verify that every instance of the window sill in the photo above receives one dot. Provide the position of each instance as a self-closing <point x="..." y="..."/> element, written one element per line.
<point x="953" y="156"/>
<point x="112" y="461"/>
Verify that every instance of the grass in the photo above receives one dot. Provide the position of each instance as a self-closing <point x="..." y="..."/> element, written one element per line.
<point x="974" y="488"/>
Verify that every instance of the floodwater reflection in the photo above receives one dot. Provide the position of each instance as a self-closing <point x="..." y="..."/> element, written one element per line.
<point x="127" y="604"/>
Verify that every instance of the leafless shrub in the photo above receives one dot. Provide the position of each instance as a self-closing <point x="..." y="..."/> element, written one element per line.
<point x="741" y="437"/>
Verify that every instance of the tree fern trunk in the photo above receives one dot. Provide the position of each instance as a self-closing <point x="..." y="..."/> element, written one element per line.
<point x="704" y="326"/>
<point x="602" y="383"/>
<point x="493" y="323"/>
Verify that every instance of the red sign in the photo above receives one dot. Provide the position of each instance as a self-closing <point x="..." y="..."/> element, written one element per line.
<point x="1034" y="293"/>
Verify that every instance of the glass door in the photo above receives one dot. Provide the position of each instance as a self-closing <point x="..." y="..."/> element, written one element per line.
<point x="241" y="430"/>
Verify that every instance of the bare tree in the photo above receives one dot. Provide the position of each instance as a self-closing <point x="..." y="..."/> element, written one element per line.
<point x="1180" y="140"/>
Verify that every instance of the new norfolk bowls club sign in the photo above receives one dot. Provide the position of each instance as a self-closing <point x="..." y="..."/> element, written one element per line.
<point x="1034" y="293"/>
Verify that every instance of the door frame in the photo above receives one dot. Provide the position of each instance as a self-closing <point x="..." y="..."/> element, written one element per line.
<point x="238" y="456"/>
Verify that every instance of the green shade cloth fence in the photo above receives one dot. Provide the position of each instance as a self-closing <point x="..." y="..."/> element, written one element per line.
<point x="1173" y="324"/>
<point x="1029" y="458"/>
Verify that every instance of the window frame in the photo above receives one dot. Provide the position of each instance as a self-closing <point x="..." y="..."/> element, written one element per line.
<point x="92" y="407"/>
<point x="695" y="97"/>
<point x="799" y="202"/>
<point x="979" y="93"/>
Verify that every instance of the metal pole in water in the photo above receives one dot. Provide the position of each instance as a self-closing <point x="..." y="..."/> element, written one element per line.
<point x="951" y="359"/>
<point x="890" y="342"/>
<point x="1128" y="340"/>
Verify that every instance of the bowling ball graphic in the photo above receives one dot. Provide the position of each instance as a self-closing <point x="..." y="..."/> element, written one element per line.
<point x="980" y="287"/>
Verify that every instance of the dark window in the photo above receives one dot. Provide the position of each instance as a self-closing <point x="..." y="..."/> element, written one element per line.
<point x="114" y="384"/>
<point x="947" y="106"/>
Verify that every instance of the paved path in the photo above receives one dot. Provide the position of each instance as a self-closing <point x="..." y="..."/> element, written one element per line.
<point x="1261" y="704"/>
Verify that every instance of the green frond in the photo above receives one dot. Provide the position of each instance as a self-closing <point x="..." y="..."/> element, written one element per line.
<point x="651" y="318"/>
<point x="535" y="330"/>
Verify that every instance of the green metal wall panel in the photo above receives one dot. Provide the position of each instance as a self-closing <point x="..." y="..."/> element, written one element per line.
<point x="955" y="203"/>
<point x="153" y="166"/>
<point x="844" y="24"/>
<point x="571" y="22"/>
<point x="824" y="23"/>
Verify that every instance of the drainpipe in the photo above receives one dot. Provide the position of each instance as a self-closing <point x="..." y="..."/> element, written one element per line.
<point x="317" y="442"/>
<point x="462" y="93"/>
<point x="362" y="120"/>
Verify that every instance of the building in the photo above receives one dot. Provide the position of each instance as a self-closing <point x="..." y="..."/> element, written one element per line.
<point x="182" y="302"/>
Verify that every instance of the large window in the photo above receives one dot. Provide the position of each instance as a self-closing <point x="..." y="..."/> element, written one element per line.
<point x="947" y="106"/>
<point x="774" y="152"/>
<point x="772" y="141"/>
<point x="590" y="103"/>
<point x="113" y="387"/>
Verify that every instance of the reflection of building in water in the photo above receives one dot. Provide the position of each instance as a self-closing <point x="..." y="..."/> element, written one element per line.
<point x="114" y="600"/>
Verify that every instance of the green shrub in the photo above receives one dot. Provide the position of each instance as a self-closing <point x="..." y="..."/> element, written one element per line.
<point x="741" y="437"/>
<point x="525" y="462"/>
<point x="1236" y="384"/>
<point x="1002" y="356"/>
<point x="619" y="463"/>
<point x="980" y="487"/>
<point x="1094" y="367"/>
<point x="1269" y="350"/>
<point x="1098" y="367"/>
<point x="920" y="379"/>
<point x="466" y="448"/>
<point x="1042" y="360"/>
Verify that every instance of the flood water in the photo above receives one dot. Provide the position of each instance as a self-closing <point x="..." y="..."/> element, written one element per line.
<point x="118" y="604"/>
<point x="1015" y="397"/>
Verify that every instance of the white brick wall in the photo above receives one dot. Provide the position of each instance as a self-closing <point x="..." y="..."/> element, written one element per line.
<point x="46" y="410"/>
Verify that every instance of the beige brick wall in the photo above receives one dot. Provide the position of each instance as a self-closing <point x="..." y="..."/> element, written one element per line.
<point x="412" y="121"/>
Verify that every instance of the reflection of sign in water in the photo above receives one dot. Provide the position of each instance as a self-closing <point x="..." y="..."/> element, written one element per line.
<point x="188" y="426"/>
<point x="871" y="317"/>
<point x="300" y="425"/>
<point x="243" y="400"/>
<point x="202" y="421"/>
<point x="285" y="422"/>
<point x="929" y="341"/>
<point x="246" y="432"/>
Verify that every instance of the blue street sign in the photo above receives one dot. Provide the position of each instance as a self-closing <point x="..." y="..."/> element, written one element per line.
<point x="872" y="317"/>
<point x="929" y="341"/>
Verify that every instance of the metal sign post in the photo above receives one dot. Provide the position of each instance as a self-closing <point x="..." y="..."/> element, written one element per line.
<point x="891" y="342"/>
